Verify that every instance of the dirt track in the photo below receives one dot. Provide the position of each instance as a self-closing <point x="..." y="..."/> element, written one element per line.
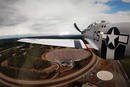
<point x="51" y="82"/>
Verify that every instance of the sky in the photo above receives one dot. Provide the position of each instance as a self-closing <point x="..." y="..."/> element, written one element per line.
<point x="46" y="17"/>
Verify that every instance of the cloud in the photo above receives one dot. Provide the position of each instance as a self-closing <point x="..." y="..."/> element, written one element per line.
<point x="103" y="1"/>
<point x="8" y="14"/>
<point x="53" y="16"/>
<point x="64" y="12"/>
<point x="116" y="17"/>
<point x="128" y="1"/>
<point x="44" y="16"/>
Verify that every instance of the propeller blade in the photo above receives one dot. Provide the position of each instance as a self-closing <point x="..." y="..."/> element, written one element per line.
<point x="75" y="25"/>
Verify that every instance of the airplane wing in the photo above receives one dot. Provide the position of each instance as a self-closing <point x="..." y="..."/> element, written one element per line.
<point x="90" y="44"/>
<point x="7" y="38"/>
<point x="54" y="40"/>
<point x="15" y="37"/>
<point x="74" y="43"/>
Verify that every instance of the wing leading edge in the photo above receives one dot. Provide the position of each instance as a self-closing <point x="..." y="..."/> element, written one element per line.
<point x="74" y="43"/>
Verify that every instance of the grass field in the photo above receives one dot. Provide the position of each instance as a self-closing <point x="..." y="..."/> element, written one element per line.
<point x="16" y="58"/>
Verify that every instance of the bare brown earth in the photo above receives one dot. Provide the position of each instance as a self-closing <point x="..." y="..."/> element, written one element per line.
<point x="64" y="74"/>
<point x="66" y="54"/>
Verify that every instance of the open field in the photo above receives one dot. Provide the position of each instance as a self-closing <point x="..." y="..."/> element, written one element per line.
<point x="34" y="65"/>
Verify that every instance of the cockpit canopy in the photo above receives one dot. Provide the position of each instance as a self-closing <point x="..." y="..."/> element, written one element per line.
<point x="98" y="24"/>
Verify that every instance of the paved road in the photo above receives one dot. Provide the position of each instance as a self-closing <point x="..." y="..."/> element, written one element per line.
<point x="120" y="76"/>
